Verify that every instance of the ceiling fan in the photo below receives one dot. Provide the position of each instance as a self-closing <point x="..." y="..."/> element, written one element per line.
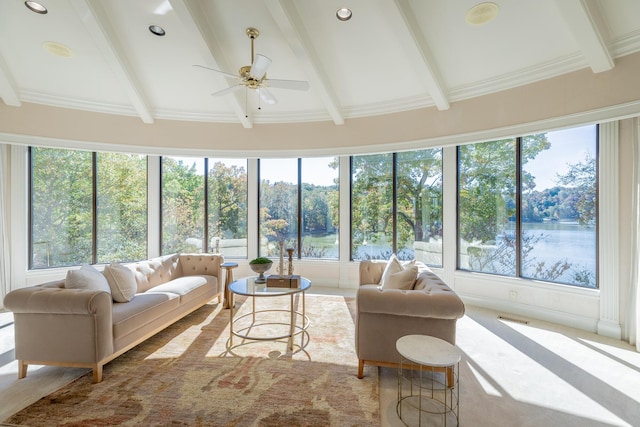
<point x="254" y="76"/>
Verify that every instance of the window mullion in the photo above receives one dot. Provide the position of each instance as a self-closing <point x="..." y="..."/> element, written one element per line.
<point x="518" y="234"/>
<point x="94" y="208"/>
<point x="394" y="202"/>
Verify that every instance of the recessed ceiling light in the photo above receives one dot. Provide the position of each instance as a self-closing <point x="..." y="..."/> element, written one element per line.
<point x="157" y="30"/>
<point x="36" y="7"/>
<point x="482" y="13"/>
<point x="58" y="49"/>
<point x="343" y="14"/>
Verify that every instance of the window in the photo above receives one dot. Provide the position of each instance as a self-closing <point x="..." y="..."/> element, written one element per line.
<point x="397" y="206"/>
<point x="227" y="207"/>
<point x="527" y="206"/>
<point x="320" y="208"/>
<point x="86" y="208"/>
<point x="299" y="207"/>
<point x="182" y="205"/>
<point x="186" y="205"/>
<point x="122" y="207"/>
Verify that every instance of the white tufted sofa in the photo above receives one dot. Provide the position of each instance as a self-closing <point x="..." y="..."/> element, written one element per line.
<point x="86" y="328"/>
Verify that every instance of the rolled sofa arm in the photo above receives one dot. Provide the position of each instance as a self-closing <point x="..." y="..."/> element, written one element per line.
<point x="440" y="303"/>
<point x="41" y="300"/>
<point x="58" y="326"/>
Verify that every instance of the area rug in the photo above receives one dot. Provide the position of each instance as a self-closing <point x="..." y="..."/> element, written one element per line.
<point x="187" y="375"/>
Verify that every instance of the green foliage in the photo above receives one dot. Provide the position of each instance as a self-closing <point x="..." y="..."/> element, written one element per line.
<point x="182" y="207"/>
<point x="62" y="207"/>
<point x="260" y="260"/>
<point x="581" y="177"/>
<point x="227" y="201"/>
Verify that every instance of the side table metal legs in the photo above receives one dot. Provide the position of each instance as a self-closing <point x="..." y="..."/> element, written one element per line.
<point x="228" y="266"/>
<point x="426" y="394"/>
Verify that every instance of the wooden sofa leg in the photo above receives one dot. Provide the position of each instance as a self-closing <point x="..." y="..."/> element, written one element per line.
<point x="22" y="369"/>
<point x="360" y="368"/>
<point x="97" y="373"/>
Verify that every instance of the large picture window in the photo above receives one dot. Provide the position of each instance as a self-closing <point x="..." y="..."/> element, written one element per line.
<point x="204" y="197"/>
<point x="397" y="206"/>
<point x="299" y="207"/>
<point x="86" y="208"/>
<point x="527" y="206"/>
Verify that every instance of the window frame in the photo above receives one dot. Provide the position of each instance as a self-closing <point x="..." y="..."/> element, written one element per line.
<point x="518" y="214"/>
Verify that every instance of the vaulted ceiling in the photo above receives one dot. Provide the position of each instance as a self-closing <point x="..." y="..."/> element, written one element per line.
<point x="392" y="55"/>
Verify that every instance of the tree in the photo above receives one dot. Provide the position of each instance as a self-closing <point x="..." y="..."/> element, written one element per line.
<point x="182" y="207"/>
<point x="582" y="178"/>
<point x="487" y="184"/>
<point x="227" y="201"/>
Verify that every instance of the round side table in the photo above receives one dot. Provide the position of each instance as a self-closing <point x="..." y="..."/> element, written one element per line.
<point x="228" y="267"/>
<point x="428" y="380"/>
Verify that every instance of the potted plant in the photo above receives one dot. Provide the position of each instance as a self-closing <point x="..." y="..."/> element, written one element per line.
<point x="260" y="265"/>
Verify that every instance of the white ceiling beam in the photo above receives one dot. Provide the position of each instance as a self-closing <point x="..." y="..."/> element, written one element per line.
<point x="430" y="73"/>
<point x="194" y="18"/>
<point x="97" y="24"/>
<point x="585" y="22"/>
<point x="7" y="86"/>
<point x="286" y="16"/>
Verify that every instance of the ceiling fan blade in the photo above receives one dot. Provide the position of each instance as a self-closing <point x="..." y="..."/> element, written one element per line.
<point x="266" y="96"/>
<point x="227" y="90"/>
<point x="259" y="66"/>
<point x="217" y="71"/>
<point x="288" y="84"/>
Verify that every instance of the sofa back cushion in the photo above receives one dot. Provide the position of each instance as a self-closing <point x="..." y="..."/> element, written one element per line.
<point x="200" y="264"/>
<point x="156" y="271"/>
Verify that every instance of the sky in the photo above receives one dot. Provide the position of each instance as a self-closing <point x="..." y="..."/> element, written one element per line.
<point x="567" y="146"/>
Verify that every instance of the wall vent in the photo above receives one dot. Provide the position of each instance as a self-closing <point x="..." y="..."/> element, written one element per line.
<point x="513" y="319"/>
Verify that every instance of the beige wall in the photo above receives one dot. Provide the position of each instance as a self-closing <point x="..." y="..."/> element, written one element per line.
<point x="570" y="99"/>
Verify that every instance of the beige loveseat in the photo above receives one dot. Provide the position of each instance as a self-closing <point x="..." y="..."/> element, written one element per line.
<point x="384" y="315"/>
<point x="59" y="326"/>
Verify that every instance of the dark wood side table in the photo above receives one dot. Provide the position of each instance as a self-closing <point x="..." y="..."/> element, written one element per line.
<point x="228" y="266"/>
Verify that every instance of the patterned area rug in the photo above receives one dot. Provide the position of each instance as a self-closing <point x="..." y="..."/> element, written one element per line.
<point x="187" y="376"/>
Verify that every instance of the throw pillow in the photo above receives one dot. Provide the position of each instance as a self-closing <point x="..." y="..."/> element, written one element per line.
<point x="404" y="279"/>
<point x="86" y="277"/>
<point x="399" y="275"/>
<point x="393" y="266"/>
<point x="122" y="282"/>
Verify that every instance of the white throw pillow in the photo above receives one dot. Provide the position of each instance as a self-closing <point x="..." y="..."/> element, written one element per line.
<point x="86" y="277"/>
<point x="122" y="282"/>
<point x="405" y="279"/>
<point x="399" y="276"/>
<point x="393" y="266"/>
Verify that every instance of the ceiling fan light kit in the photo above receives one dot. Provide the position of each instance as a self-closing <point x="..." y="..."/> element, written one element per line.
<point x="254" y="76"/>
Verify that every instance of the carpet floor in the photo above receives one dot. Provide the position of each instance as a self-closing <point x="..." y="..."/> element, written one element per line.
<point x="187" y="375"/>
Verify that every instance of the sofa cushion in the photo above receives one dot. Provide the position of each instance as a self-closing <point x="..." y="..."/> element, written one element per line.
<point x="188" y="287"/>
<point x="86" y="277"/>
<point x="122" y="282"/>
<point x="131" y="316"/>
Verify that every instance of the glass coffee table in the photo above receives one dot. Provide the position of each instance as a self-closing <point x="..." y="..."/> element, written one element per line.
<point x="297" y="321"/>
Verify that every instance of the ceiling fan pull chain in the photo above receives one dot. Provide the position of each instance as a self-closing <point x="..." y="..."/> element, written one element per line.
<point x="246" y="112"/>
<point x="259" y="98"/>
